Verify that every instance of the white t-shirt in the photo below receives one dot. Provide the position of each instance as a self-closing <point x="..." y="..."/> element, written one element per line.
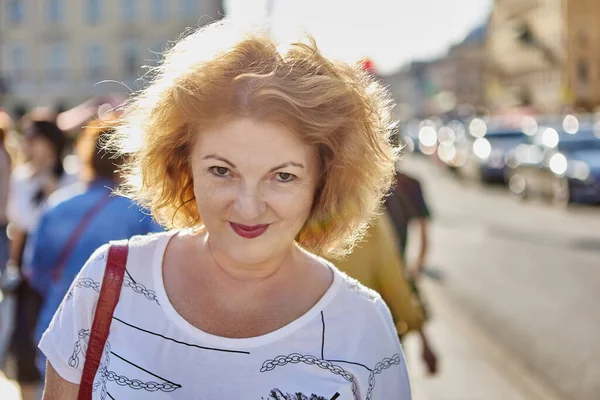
<point x="345" y="347"/>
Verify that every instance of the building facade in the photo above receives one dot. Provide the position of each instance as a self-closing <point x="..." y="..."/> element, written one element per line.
<point x="408" y="87"/>
<point x="582" y="63"/>
<point x="525" y="55"/>
<point x="58" y="53"/>
<point x="442" y="86"/>
<point x="469" y="67"/>
<point x="544" y="54"/>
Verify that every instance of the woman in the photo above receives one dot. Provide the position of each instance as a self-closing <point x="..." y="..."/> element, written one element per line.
<point x="77" y="223"/>
<point x="260" y="159"/>
<point x="31" y="185"/>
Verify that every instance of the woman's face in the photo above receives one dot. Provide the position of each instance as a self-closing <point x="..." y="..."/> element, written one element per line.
<point x="254" y="184"/>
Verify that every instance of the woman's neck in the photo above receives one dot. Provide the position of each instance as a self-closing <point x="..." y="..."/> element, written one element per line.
<point x="260" y="281"/>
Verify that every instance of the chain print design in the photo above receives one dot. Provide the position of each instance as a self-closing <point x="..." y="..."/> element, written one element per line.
<point x="100" y="380"/>
<point x="87" y="283"/>
<point x="100" y="255"/>
<point x="295" y="358"/>
<point x="379" y="367"/>
<point x="104" y="376"/>
<point x="137" y="384"/>
<point x="80" y="347"/>
<point x="140" y="289"/>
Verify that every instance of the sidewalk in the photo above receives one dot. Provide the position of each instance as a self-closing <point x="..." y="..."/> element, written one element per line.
<point x="472" y="367"/>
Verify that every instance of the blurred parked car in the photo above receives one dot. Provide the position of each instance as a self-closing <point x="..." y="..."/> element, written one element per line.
<point x="486" y="152"/>
<point x="557" y="165"/>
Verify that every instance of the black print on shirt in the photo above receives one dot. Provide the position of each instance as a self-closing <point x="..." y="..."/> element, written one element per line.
<point x="277" y="394"/>
<point x="140" y="289"/>
<point x="281" y="361"/>
<point x="331" y="366"/>
<point x="80" y="348"/>
<point x="178" y="341"/>
<point x="105" y="375"/>
<point x="128" y="282"/>
<point x="88" y="283"/>
<point x="379" y="367"/>
<point x="100" y="255"/>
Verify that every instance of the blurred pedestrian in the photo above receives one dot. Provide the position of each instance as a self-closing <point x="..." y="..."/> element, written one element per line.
<point x="406" y="204"/>
<point x="375" y="262"/>
<point x="78" y="220"/>
<point x="259" y="156"/>
<point x="31" y="185"/>
<point x="6" y="302"/>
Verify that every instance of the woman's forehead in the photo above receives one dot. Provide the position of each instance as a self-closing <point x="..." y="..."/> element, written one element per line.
<point x="248" y="136"/>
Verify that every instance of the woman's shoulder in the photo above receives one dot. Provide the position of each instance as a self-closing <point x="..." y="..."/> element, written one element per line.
<point x="151" y="242"/>
<point x="142" y="249"/>
<point x="365" y="303"/>
<point x="351" y="288"/>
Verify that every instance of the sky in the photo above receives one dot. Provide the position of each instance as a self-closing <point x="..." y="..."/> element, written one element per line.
<point x="390" y="32"/>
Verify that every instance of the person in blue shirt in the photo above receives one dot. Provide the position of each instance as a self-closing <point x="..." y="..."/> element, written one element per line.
<point x="79" y="219"/>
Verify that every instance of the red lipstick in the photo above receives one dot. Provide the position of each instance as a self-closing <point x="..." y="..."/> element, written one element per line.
<point x="248" y="232"/>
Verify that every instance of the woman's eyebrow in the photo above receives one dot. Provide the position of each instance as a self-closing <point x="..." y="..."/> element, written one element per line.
<point x="232" y="165"/>
<point x="216" y="157"/>
<point x="287" y="164"/>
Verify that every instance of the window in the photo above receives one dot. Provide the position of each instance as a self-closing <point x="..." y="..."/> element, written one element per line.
<point x="15" y="11"/>
<point x="189" y="8"/>
<point x="95" y="61"/>
<point x="18" y="63"/>
<point x="131" y="59"/>
<point x="56" y="58"/>
<point x="582" y="72"/>
<point x="93" y="11"/>
<point x="129" y="9"/>
<point x="54" y="11"/>
<point x="159" y="10"/>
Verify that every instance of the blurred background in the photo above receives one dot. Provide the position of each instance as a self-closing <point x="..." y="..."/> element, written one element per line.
<point x="499" y="111"/>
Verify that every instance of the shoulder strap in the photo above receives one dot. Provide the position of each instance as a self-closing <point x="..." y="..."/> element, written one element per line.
<point x="69" y="247"/>
<point x="109" y="297"/>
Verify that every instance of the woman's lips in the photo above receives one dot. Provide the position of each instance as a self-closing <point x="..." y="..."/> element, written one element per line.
<point x="249" y="232"/>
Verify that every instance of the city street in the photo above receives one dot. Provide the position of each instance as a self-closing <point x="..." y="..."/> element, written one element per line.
<point x="527" y="273"/>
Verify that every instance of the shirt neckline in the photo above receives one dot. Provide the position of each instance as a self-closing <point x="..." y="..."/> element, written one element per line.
<point x="233" y="343"/>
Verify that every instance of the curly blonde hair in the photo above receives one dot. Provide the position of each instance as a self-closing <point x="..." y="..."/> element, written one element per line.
<point x="218" y="73"/>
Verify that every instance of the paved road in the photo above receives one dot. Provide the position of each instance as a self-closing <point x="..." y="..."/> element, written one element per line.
<point x="528" y="273"/>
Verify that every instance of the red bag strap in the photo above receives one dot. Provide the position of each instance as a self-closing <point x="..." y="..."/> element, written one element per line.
<point x="107" y="301"/>
<point x="69" y="247"/>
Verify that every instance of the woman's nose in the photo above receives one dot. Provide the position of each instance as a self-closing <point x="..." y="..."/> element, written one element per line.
<point x="249" y="204"/>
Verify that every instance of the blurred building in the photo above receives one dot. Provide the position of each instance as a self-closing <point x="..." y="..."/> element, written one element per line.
<point x="544" y="54"/>
<point x="58" y="53"/>
<point x="582" y="62"/>
<point x="469" y="69"/>
<point x="409" y="88"/>
<point x="443" y="85"/>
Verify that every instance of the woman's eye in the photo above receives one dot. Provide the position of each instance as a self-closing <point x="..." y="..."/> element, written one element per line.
<point x="219" y="171"/>
<point x="285" y="177"/>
